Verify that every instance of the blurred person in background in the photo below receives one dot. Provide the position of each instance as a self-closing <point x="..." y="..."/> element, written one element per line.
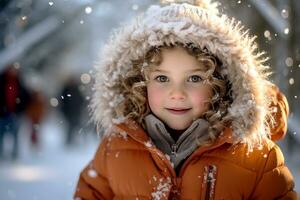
<point x="71" y="108"/>
<point x="36" y="111"/>
<point x="13" y="101"/>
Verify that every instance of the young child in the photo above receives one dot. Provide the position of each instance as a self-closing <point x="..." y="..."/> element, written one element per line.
<point x="188" y="110"/>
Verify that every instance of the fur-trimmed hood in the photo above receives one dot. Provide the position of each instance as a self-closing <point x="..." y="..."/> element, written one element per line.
<point x="200" y="23"/>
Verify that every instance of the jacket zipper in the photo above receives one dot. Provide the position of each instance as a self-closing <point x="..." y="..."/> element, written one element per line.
<point x="210" y="181"/>
<point x="174" y="149"/>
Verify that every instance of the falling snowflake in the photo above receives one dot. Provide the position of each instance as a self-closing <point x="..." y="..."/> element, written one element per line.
<point x="286" y="31"/>
<point x="260" y="147"/>
<point x="123" y="135"/>
<point x="267" y="33"/>
<point x="172" y="164"/>
<point x="148" y="144"/>
<point x="168" y="157"/>
<point x="53" y="102"/>
<point x="88" y="10"/>
<point x="85" y="78"/>
<point x="284" y="14"/>
<point x="92" y="173"/>
<point x="291" y="81"/>
<point x="154" y="178"/>
<point x="289" y="61"/>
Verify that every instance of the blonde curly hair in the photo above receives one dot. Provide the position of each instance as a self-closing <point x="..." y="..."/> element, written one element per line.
<point x="134" y="85"/>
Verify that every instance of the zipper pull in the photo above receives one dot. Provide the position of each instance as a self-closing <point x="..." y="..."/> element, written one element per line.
<point x="174" y="149"/>
<point x="210" y="179"/>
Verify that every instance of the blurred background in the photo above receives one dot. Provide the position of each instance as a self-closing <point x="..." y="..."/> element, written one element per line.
<point x="47" y="53"/>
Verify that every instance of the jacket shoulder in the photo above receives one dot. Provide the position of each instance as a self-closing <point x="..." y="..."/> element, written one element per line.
<point x="273" y="179"/>
<point x="118" y="138"/>
<point x="258" y="159"/>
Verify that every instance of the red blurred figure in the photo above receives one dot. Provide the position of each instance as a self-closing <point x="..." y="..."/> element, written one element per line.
<point x="36" y="111"/>
<point x="13" y="101"/>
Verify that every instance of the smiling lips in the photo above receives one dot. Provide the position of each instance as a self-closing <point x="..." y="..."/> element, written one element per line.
<point x="178" y="111"/>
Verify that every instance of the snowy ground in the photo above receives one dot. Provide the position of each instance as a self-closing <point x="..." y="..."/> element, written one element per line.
<point x="52" y="171"/>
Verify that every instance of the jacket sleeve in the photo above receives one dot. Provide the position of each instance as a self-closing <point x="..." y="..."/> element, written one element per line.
<point x="280" y="108"/>
<point x="276" y="181"/>
<point x="93" y="183"/>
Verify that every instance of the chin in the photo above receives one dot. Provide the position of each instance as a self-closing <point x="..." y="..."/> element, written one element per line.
<point x="179" y="127"/>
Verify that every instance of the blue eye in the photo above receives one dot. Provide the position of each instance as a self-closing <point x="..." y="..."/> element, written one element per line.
<point x="195" y="79"/>
<point x="162" y="78"/>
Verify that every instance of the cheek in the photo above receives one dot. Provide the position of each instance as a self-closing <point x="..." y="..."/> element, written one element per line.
<point x="200" y="99"/>
<point x="155" y="97"/>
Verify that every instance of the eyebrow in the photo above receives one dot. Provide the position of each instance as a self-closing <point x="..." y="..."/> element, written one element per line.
<point x="196" y="70"/>
<point x="164" y="71"/>
<point x="159" y="70"/>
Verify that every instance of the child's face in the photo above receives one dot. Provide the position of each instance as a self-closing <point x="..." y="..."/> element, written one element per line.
<point x="176" y="92"/>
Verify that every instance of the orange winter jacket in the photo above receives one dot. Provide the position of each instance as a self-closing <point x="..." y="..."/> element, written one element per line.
<point x="128" y="166"/>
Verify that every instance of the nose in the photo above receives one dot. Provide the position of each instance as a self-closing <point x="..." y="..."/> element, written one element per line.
<point x="177" y="93"/>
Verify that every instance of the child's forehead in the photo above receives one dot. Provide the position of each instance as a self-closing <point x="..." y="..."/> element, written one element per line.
<point x="174" y="50"/>
<point x="180" y="59"/>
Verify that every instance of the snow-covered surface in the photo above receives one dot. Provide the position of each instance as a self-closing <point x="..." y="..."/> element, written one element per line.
<point x="53" y="170"/>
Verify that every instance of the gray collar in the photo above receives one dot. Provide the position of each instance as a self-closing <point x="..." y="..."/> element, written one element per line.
<point x="186" y="144"/>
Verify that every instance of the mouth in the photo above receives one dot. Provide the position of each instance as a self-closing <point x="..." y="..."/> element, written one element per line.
<point x="178" y="111"/>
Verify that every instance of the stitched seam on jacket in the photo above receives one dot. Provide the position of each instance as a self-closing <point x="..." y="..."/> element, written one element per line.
<point x="270" y="171"/>
<point x="260" y="174"/>
<point x="230" y="162"/>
